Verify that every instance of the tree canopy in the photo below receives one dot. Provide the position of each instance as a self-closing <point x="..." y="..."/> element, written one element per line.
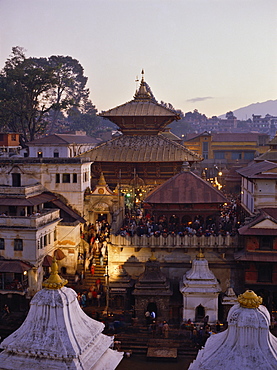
<point x="37" y="92"/>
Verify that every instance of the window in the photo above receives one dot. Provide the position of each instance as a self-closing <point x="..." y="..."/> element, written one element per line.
<point x="66" y="177"/>
<point x="75" y="177"/>
<point x="2" y="243"/>
<point x="85" y="176"/>
<point x="39" y="154"/>
<point x="41" y="242"/>
<point x="56" y="153"/>
<point x="18" y="244"/>
<point x="45" y="240"/>
<point x="16" y="179"/>
<point x="205" y="149"/>
<point x="13" y="138"/>
<point x="1" y="137"/>
<point x="55" y="234"/>
<point x="249" y="155"/>
<point x="264" y="273"/>
<point x="57" y="178"/>
<point x="219" y="155"/>
<point x="236" y="155"/>
<point x="266" y="242"/>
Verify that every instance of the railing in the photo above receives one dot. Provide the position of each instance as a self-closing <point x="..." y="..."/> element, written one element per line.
<point x="24" y="191"/>
<point x="177" y="241"/>
<point x="33" y="221"/>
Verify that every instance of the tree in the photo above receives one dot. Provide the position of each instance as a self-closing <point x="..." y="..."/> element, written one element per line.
<point x="34" y="92"/>
<point x="70" y="90"/>
<point x="25" y="84"/>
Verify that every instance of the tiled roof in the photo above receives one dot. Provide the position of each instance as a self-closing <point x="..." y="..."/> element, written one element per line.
<point x="141" y="148"/>
<point x="64" y="139"/>
<point x="255" y="170"/>
<point x="185" y="188"/>
<point x="265" y="214"/>
<point x="270" y="155"/>
<point x="228" y="136"/>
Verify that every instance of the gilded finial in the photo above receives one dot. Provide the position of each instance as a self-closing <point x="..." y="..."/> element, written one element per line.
<point x="54" y="281"/>
<point x="249" y="299"/>
<point x="102" y="181"/>
<point x="152" y="258"/>
<point x="142" y="75"/>
<point x="200" y="255"/>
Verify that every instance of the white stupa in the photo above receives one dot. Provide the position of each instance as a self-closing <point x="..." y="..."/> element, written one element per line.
<point x="200" y="290"/>
<point x="58" y="335"/>
<point x="246" y="344"/>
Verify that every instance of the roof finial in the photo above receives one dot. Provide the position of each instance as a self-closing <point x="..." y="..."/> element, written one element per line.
<point x="102" y="181"/>
<point x="249" y="299"/>
<point x="200" y="255"/>
<point x="54" y="281"/>
<point x="142" y="75"/>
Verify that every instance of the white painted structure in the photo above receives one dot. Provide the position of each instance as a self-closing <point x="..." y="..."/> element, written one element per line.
<point x="62" y="145"/>
<point x="200" y="290"/>
<point x="58" y="335"/>
<point x="258" y="186"/>
<point x="247" y="344"/>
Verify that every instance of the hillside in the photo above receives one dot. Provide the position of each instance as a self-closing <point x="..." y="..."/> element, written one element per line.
<point x="267" y="107"/>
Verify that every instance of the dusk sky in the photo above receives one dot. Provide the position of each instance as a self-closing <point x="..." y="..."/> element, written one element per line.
<point x="210" y="55"/>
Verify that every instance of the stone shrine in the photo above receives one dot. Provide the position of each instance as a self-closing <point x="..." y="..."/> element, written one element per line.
<point x="200" y="290"/>
<point x="152" y="291"/>
<point x="58" y="335"/>
<point x="246" y="344"/>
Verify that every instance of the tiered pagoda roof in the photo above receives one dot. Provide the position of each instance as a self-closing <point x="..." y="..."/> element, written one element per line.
<point x="142" y="114"/>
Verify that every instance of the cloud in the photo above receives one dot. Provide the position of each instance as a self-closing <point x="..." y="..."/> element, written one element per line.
<point x="194" y="100"/>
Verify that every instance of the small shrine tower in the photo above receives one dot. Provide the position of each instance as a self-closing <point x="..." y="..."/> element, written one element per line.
<point x="200" y="290"/>
<point x="58" y="335"/>
<point x="247" y="344"/>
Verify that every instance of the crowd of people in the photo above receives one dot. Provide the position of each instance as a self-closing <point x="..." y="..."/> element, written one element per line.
<point x="164" y="225"/>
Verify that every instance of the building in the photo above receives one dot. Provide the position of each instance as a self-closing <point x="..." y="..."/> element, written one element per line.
<point x="9" y="144"/>
<point x="61" y="145"/>
<point x="225" y="152"/>
<point x="258" y="189"/>
<point x="143" y="156"/>
<point x="258" y="255"/>
<point x="36" y="222"/>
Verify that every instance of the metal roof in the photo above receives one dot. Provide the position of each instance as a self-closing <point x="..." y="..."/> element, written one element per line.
<point x="185" y="188"/>
<point x="64" y="139"/>
<point x="141" y="148"/>
<point x="256" y="170"/>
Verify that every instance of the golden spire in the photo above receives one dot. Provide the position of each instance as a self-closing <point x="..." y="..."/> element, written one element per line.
<point x="152" y="258"/>
<point x="102" y="181"/>
<point x="200" y="255"/>
<point x="54" y="281"/>
<point x="249" y="299"/>
<point x="142" y="94"/>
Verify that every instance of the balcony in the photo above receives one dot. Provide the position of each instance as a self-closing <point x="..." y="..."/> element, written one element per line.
<point x="186" y="241"/>
<point x="34" y="221"/>
<point x="22" y="191"/>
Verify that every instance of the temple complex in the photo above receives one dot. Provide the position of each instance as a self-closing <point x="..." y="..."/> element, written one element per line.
<point x="246" y="344"/>
<point x="58" y="335"/>
<point x="145" y="155"/>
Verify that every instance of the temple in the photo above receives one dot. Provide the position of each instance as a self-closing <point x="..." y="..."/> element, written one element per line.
<point x="143" y="156"/>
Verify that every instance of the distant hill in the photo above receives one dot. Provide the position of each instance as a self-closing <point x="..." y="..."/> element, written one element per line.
<point x="267" y="107"/>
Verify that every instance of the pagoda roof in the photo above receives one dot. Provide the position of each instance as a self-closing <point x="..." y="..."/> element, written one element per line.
<point x="140" y="108"/>
<point x="141" y="148"/>
<point x="185" y="188"/>
<point x="143" y="113"/>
